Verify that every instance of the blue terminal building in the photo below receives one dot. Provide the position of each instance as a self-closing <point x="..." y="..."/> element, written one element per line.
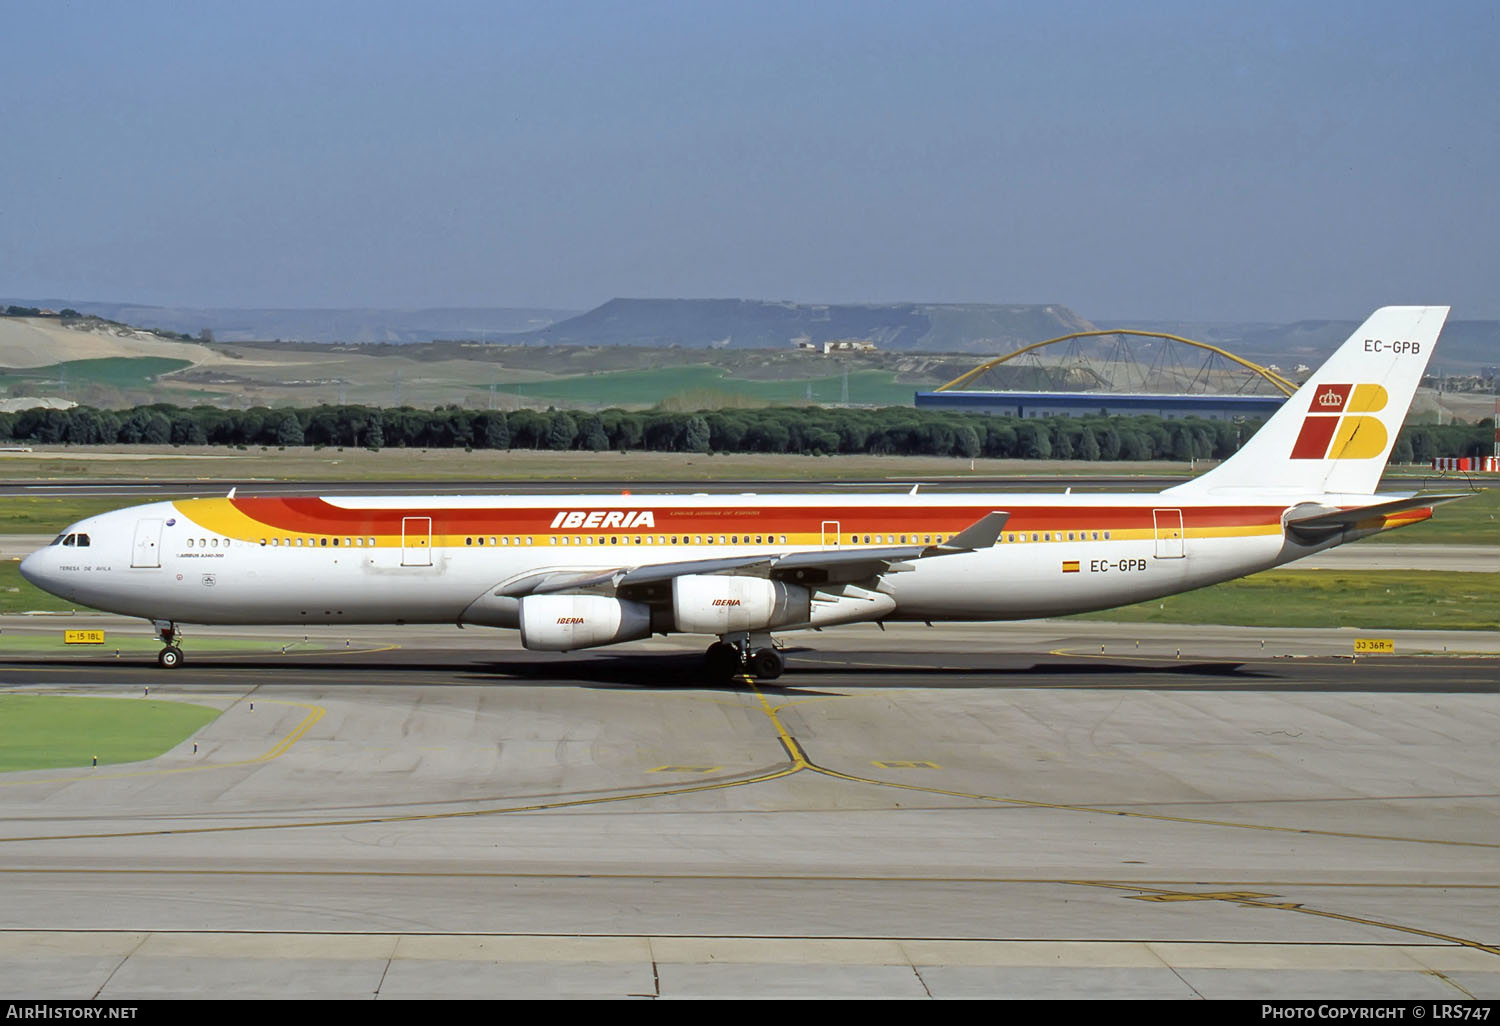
<point x="1088" y="404"/>
<point x="1246" y="391"/>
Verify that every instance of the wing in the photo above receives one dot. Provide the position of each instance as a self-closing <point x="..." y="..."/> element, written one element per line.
<point x="652" y="581"/>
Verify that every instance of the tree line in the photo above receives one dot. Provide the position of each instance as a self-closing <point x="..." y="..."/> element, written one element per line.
<point x="897" y="431"/>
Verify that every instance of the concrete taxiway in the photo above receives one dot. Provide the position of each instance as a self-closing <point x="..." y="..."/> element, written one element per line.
<point x="985" y="810"/>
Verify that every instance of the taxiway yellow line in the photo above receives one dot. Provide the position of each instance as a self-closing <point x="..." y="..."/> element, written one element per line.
<point x="1259" y="901"/>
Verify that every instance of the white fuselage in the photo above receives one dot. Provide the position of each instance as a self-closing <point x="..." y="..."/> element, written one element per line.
<point x="442" y="559"/>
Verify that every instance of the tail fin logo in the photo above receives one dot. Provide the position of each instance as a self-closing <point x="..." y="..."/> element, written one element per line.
<point x="1333" y="431"/>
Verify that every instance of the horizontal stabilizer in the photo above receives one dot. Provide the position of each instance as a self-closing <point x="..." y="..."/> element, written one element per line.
<point x="1312" y="521"/>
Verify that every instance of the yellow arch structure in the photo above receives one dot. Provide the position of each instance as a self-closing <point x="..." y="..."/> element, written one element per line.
<point x="1281" y="383"/>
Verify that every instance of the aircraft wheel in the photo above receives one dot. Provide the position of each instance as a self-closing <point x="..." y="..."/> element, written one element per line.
<point x="722" y="660"/>
<point x="170" y="657"/>
<point x="766" y="664"/>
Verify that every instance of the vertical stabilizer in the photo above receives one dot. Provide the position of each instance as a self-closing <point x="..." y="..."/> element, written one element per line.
<point x="1335" y="433"/>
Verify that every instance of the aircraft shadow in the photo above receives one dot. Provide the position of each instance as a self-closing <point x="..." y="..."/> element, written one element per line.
<point x="808" y="672"/>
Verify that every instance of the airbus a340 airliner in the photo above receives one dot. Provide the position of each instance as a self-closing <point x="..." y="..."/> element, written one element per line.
<point x="578" y="571"/>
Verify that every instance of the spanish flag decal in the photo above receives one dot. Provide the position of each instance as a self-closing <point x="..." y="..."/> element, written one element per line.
<point x="1070" y="566"/>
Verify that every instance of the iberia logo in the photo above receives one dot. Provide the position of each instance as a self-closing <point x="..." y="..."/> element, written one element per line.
<point x="1335" y="429"/>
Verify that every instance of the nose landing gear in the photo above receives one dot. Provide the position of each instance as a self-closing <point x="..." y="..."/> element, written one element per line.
<point x="170" y="657"/>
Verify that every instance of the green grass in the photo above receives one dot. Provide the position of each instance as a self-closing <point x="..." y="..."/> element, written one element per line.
<point x="1367" y="599"/>
<point x="115" y="371"/>
<point x="25" y="515"/>
<point x="50" y="732"/>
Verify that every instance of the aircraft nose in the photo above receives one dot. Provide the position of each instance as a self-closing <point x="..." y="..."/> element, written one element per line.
<point x="33" y="569"/>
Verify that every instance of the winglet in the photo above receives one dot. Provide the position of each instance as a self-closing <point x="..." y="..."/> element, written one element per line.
<point x="981" y="534"/>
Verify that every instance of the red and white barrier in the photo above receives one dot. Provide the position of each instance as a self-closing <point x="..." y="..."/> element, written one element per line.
<point x="1468" y="464"/>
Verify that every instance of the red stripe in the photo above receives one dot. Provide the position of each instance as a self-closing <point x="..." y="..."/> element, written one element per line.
<point x="314" y="515"/>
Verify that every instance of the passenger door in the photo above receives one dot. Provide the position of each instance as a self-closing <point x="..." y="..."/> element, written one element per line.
<point x="416" y="541"/>
<point x="1169" y="534"/>
<point x="146" y="549"/>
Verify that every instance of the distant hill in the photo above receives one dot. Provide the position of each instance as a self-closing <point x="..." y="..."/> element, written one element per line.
<point x="1466" y="347"/>
<point x="319" y="325"/>
<point x="762" y="324"/>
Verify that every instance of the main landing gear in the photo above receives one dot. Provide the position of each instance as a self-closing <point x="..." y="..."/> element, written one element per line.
<point x="170" y="657"/>
<point x="744" y="654"/>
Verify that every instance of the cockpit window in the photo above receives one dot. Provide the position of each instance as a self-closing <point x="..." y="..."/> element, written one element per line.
<point x="83" y="541"/>
<point x="59" y="539"/>
<point x="71" y="539"/>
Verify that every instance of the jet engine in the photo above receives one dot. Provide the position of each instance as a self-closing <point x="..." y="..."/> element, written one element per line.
<point x="715" y="604"/>
<point x="561" y="623"/>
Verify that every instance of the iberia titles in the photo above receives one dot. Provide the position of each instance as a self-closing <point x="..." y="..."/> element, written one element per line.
<point x="623" y="519"/>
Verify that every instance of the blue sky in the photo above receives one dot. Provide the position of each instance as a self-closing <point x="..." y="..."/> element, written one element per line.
<point x="1210" y="161"/>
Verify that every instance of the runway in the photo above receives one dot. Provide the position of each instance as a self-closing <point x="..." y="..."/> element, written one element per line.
<point x="966" y="811"/>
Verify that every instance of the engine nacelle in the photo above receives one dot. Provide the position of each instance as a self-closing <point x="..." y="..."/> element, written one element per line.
<point x="715" y="604"/>
<point x="561" y="623"/>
